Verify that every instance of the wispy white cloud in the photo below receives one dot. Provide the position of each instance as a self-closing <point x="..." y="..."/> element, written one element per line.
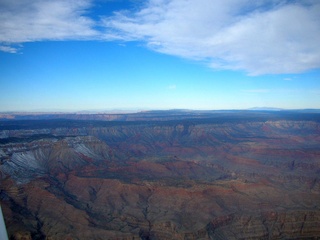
<point x="172" y="87"/>
<point x="259" y="37"/>
<point x="37" y="20"/>
<point x="8" y="49"/>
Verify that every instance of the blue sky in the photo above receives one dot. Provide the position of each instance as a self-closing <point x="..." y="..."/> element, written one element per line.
<point x="159" y="54"/>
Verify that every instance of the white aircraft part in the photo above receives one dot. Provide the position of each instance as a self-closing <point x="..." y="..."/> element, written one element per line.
<point x="3" y="230"/>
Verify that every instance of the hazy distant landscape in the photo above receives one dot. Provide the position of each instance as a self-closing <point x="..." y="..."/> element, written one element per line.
<point x="176" y="174"/>
<point x="89" y="148"/>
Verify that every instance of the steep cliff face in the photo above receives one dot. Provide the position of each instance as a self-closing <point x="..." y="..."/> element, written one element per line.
<point x="168" y="180"/>
<point x="267" y="225"/>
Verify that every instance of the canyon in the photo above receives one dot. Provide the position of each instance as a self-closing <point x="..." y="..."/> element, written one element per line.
<point x="161" y="175"/>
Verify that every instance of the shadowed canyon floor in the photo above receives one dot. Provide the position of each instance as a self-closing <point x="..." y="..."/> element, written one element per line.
<point x="162" y="175"/>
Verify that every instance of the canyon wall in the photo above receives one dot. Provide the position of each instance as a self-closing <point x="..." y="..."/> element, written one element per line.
<point x="256" y="179"/>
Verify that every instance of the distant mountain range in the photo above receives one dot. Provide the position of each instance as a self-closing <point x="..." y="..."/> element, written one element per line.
<point x="266" y="109"/>
<point x="151" y="115"/>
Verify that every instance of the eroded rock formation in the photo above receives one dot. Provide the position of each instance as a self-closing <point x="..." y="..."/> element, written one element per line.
<point x="256" y="179"/>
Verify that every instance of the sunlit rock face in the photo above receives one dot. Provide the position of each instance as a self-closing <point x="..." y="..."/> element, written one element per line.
<point x="244" y="178"/>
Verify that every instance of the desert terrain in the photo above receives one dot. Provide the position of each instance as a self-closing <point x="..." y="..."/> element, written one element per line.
<point x="161" y="175"/>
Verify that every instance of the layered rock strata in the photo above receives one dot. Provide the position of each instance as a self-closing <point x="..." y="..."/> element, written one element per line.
<point x="174" y="180"/>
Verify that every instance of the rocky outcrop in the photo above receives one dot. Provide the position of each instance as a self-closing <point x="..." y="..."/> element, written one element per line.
<point x="168" y="180"/>
<point x="267" y="225"/>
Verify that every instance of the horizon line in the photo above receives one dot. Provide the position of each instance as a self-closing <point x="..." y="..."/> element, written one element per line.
<point x="140" y="110"/>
